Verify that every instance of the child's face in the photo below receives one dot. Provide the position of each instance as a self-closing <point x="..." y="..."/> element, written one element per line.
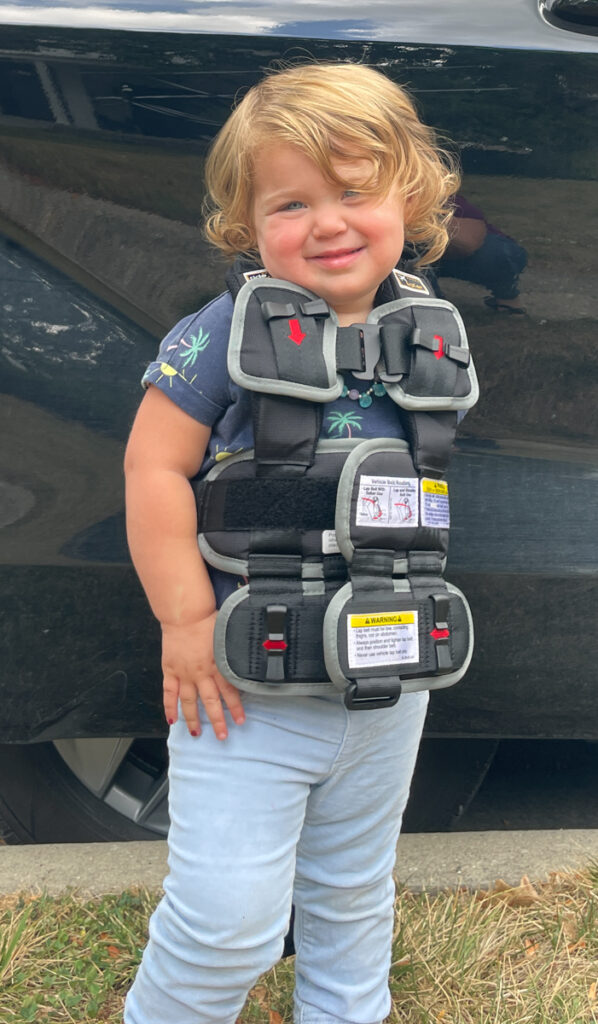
<point x="340" y="244"/>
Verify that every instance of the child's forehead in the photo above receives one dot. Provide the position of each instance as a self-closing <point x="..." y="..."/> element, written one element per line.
<point x="276" y="156"/>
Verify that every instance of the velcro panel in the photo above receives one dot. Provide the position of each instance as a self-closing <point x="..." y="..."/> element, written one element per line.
<point x="269" y="503"/>
<point x="383" y="503"/>
<point x="386" y="635"/>
<point x="282" y="343"/>
<point x="238" y="511"/>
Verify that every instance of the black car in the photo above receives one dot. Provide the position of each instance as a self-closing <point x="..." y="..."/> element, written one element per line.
<point x="106" y="113"/>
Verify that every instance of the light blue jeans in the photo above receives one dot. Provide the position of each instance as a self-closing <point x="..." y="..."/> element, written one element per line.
<point x="303" y="803"/>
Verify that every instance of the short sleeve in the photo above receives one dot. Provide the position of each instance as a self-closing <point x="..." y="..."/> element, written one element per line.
<point x="191" y="366"/>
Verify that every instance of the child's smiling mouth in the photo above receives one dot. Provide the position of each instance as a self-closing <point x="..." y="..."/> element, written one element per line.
<point x="337" y="257"/>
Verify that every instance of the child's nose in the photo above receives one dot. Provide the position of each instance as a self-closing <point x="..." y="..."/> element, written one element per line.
<point x="329" y="221"/>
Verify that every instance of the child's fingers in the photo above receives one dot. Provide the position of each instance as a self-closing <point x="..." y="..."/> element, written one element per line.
<point x="171" y="697"/>
<point x="188" y="700"/>
<point x="212" y="702"/>
<point x="212" y="690"/>
<point x="232" y="699"/>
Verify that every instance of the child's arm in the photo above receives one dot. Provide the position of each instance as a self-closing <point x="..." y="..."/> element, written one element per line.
<point x="165" y="449"/>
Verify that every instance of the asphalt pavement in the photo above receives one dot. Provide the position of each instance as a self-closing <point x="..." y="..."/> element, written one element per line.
<point x="430" y="861"/>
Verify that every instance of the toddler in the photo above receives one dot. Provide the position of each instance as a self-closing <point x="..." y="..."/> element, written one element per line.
<point x="319" y="177"/>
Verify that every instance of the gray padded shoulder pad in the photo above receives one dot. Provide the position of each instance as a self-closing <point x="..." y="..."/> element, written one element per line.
<point x="426" y="362"/>
<point x="283" y="342"/>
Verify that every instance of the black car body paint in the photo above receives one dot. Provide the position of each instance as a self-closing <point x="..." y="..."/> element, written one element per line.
<point x="106" y="114"/>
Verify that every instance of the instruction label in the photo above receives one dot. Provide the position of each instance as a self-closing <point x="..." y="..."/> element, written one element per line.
<point x="387" y="501"/>
<point x="382" y="638"/>
<point x="330" y="543"/>
<point x="435" y="504"/>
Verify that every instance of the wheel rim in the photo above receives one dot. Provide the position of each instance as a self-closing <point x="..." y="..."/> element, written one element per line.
<point x="129" y="776"/>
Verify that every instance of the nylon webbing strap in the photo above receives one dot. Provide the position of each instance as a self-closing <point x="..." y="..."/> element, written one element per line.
<point x="422" y="566"/>
<point x="286" y="432"/>
<point x="275" y="542"/>
<point x="371" y="568"/>
<point x="394" y="339"/>
<point x="274" y="567"/>
<point x="430" y="435"/>
<point x="349" y="348"/>
<point x="267" y="503"/>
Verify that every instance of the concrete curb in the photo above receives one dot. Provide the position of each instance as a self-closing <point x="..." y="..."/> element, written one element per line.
<point x="432" y="861"/>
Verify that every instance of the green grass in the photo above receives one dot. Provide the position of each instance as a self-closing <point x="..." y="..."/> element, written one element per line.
<point x="523" y="955"/>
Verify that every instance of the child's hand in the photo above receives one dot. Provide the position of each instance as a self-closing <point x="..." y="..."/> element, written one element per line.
<point x="190" y="672"/>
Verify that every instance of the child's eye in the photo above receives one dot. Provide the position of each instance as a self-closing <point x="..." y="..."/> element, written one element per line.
<point x="350" y="193"/>
<point x="295" y="204"/>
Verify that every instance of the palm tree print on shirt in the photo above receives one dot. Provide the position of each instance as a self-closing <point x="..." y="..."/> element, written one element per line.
<point x="197" y="344"/>
<point x="340" y="421"/>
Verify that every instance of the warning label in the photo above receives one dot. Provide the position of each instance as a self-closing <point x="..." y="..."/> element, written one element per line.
<point x="435" y="504"/>
<point x="387" y="501"/>
<point x="382" y="638"/>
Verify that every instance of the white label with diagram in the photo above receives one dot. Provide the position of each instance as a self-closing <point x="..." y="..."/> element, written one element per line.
<point x="382" y="638"/>
<point x="435" y="504"/>
<point x="387" y="501"/>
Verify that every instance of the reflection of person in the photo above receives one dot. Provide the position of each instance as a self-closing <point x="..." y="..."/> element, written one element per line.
<point x="479" y="252"/>
<point x="322" y="170"/>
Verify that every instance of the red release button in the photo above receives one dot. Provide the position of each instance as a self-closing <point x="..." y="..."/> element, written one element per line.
<point x="440" y="634"/>
<point x="275" y="645"/>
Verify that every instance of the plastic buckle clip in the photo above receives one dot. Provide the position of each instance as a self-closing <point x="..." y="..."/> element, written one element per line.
<point x="275" y="645"/>
<point x="277" y="310"/>
<point x="315" y="307"/>
<point x="441" y="633"/>
<point x="366" y="694"/>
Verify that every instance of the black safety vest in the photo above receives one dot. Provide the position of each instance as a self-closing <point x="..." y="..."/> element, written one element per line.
<point x="343" y="542"/>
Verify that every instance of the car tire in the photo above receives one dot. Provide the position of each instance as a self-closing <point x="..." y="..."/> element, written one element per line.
<point x="42" y="801"/>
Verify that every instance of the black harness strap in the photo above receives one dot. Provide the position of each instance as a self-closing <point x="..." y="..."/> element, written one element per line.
<point x="395" y="348"/>
<point x="286" y="432"/>
<point x="349" y="348"/>
<point x="430" y="436"/>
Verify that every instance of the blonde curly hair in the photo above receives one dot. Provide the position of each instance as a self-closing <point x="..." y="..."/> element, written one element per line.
<point x="332" y="111"/>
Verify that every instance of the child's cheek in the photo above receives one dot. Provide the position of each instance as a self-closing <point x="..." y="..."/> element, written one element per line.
<point x="282" y="247"/>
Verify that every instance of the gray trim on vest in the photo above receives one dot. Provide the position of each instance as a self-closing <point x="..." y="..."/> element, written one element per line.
<point x="273" y="386"/>
<point x="236" y="566"/>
